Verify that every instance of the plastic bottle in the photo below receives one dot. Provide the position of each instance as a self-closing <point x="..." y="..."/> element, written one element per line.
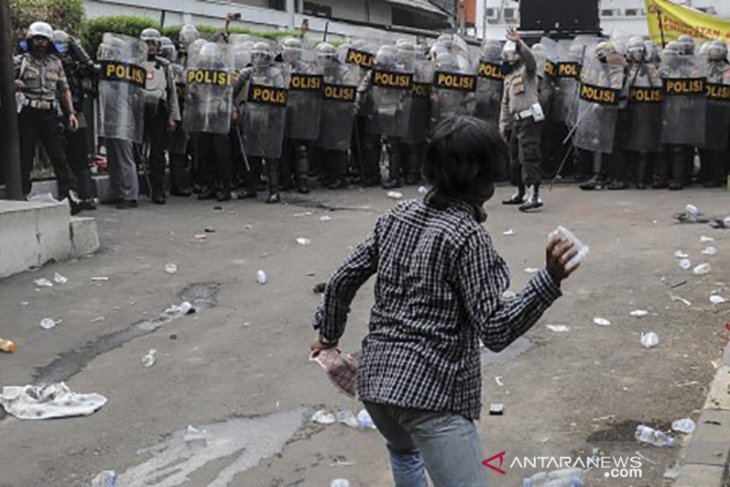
<point x="645" y="434"/>
<point x="261" y="277"/>
<point x="569" y="477"/>
<point x="107" y="478"/>
<point x="684" y="425"/>
<point x="347" y="417"/>
<point x="7" y="346"/>
<point x="150" y="359"/>
<point x="340" y="483"/>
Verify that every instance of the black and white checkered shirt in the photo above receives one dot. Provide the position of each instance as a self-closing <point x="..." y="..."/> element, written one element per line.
<point x="439" y="289"/>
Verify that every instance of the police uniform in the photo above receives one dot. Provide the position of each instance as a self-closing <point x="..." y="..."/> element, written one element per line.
<point x="42" y="80"/>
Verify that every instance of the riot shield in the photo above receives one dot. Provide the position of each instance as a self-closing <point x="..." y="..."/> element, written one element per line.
<point x="490" y="82"/>
<point x="598" y="102"/>
<point x="546" y="56"/>
<point x="209" y="90"/>
<point x="717" y="126"/>
<point x="121" y="87"/>
<point x="684" y="106"/>
<point x="454" y="84"/>
<point x="420" y="103"/>
<point x="339" y="91"/>
<point x="570" y="58"/>
<point x="640" y="125"/>
<point x="304" y="106"/>
<point x="264" y="114"/>
<point x="359" y="53"/>
<point x="390" y="84"/>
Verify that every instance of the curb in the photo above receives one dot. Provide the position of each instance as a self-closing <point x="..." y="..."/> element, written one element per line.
<point x="707" y="458"/>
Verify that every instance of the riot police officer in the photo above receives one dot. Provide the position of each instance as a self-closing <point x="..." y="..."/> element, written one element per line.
<point x="714" y="152"/>
<point x="161" y="111"/>
<point x="41" y="82"/>
<point x="78" y="67"/>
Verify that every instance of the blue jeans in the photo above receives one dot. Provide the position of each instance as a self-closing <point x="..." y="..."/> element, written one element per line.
<point x="445" y="444"/>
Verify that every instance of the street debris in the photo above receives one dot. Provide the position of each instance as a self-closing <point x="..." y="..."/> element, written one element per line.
<point x="49" y="323"/>
<point x="261" y="277"/>
<point x="59" y="279"/>
<point x="195" y="439"/>
<point x="532" y="270"/>
<point x="422" y="190"/>
<point x="674" y="297"/>
<point x="701" y="269"/>
<point x="319" y="288"/>
<point x="218" y="208"/>
<point x="323" y="417"/>
<point x="183" y="309"/>
<point x="706" y="239"/>
<point x="340" y="483"/>
<point x="200" y="236"/>
<point x="170" y="268"/>
<point x="97" y="319"/>
<point x="325" y="218"/>
<point x="646" y="434"/>
<point x="649" y="339"/>
<point x="685" y="264"/>
<point x="348" y="418"/>
<point x="691" y="214"/>
<point x="99" y="278"/>
<point x="303" y="241"/>
<point x="209" y="230"/>
<point x="173" y="337"/>
<point x="508" y="233"/>
<point x="395" y="195"/>
<point x="716" y="299"/>
<point x="681" y="254"/>
<point x="302" y="214"/>
<point x="150" y="359"/>
<point x="684" y="425"/>
<point x="48" y="401"/>
<point x="43" y="282"/>
<point x="509" y="294"/>
<point x="107" y="478"/>
<point x="710" y="250"/>
<point x="638" y="313"/>
<point x="8" y="346"/>
<point x="720" y="223"/>
<point x="498" y="380"/>
<point x="673" y="472"/>
<point x="601" y="321"/>
<point x="496" y="409"/>
<point x="366" y="422"/>
<point x="558" y="328"/>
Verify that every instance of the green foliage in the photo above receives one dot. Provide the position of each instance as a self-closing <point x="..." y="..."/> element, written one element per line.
<point x="209" y="32"/>
<point x="94" y="29"/>
<point x="61" y="14"/>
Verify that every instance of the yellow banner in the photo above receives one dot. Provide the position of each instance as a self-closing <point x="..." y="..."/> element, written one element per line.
<point x="667" y="21"/>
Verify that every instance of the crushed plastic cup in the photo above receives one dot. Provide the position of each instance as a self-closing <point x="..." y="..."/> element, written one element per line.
<point x="684" y="425"/>
<point x="601" y="321"/>
<point x="394" y="195"/>
<point x="710" y="250"/>
<point x="348" y="418"/>
<point x="558" y="328"/>
<point x="340" y="483"/>
<point x="59" y="279"/>
<point x="261" y="277"/>
<point x="508" y="233"/>
<point x="702" y="269"/>
<point x="106" y="478"/>
<point x="532" y="270"/>
<point x="364" y="419"/>
<point x="583" y="250"/>
<point x="717" y="299"/>
<point x="323" y="417"/>
<point x="649" y="339"/>
<point x="170" y="268"/>
<point x="150" y="359"/>
<point x="706" y="239"/>
<point x="185" y="308"/>
<point x="43" y="282"/>
<point x="681" y="254"/>
<point x="49" y="323"/>
<point x="692" y="211"/>
<point x="195" y="439"/>
<point x="303" y="241"/>
<point x="325" y="218"/>
<point x="422" y="189"/>
<point x="638" y="313"/>
<point x="685" y="264"/>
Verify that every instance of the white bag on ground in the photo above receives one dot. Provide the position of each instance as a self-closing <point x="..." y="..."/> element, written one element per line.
<point x="48" y="401"/>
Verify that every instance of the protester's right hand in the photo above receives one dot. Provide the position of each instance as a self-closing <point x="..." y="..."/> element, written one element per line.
<point x="19" y="84"/>
<point x="558" y="253"/>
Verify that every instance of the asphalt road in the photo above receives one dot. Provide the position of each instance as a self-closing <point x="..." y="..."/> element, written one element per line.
<point x="239" y="367"/>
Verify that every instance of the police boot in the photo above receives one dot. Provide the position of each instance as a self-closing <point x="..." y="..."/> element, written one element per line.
<point x="641" y="166"/>
<point x="712" y="162"/>
<point x="393" y="167"/>
<point x="661" y="170"/>
<point x="272" y="166"/>
<point x="518" y="198"/>
<point x="533" y="199"/>
<point x="207" y="192"/>
<point x="598" y="179"/>
<point x="302" y="169"/>
<point x="678" y="162"/>
<point x="224" y="193"/>
<point x="158" y="198"/>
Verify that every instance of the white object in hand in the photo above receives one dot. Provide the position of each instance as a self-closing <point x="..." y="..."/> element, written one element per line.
<point x="582" y="249"/>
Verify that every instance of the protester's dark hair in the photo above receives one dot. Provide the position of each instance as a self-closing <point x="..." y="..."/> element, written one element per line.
<point x="465" y="155"/>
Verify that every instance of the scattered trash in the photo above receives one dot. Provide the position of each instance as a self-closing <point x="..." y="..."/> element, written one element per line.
<point x="48" y="401"/>
<point x="645" y="434"/>
<point x="218" y="208"/>
<point x="325" y="218"/>
<point x="498" y="380"/>
<point x="650" y="339"/>
<point x="347" y="417"/>
<point x="99" y="278"/>
<point x="701" y="269"/>
<point x="185" y="308"/>
<point x="706" y="239"/>
<point x="303" y="241"/>
<point x="365" y="421"/>
<point x="340" y="483"/>
<point x="720" y="223"/>
<point x="8" y="346"/>
<point x="107" y="478"/>
<point x="692" y="210"/>
<point x="509" y="294"/>
<point x="574" y="477"/>
<point x="680" y="299"/>
<point x="170" y="268"/>
<point x="49" y="323"/>
<point x="195" y="439"/>
<point x="638" y="313"/>
<point x="323" y="417"/>
<point x="150" y="359"/>
<point x="681" y="254"/>
<point x="673" y="472"/>
<point x="583" y="250"/>
<point x="200" y="236"/>
<point x="59" y="279"/>
<point x="509" y="232"/>
<point x="395" y="195"/>
<point x="558" y="328"/>
<point x="43" y="282"/>
<point x="302" y="214"/>
<point x="422" y="190"/>
<point x="24" y="303"/>
<point x="319" y="288"/>
<point x="261" y="277"/>
<point x="716" y="299"/>
<point x="97" y="319"/>
<point x="173" y="337"/>
<point x="532" y="270"/>
<point x="496" y="409"/>
<point x="601" y="321"/>
<point x="209" y="230"/>
<point x="685" y="264"/>
<point x="684" y="425"/>
<point x="691" y="214"/>
<point x="710" y="250"/>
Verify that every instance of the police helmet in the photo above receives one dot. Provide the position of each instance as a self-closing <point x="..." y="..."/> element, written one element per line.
<point x="717" y="51"/>
<point x="687" y="43"/>
<point x="491" y="49"/>
<point x="167" y="49"/>
<point x="151" y="35"/>
<point x="325" y="49"/>
<point x="210" y="50"/>
<point x="605" y="49"/>
<point x="61" y="41"/>
<point x="40" y="29"/>
<point x="188" y="34"/>
<point x="636" y="47"/>
<point x="672" y="51"/>
<point x="509" y="51"/>
<point x="291" y="49"/>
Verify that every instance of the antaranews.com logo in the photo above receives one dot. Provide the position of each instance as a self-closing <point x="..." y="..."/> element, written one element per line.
<point x="620" y="467"/>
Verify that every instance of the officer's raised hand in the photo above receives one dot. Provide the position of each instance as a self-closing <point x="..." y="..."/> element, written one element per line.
<point x="513" y="35"/>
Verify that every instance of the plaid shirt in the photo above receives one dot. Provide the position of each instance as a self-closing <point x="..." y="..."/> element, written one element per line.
<point x="438" y="291"/>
